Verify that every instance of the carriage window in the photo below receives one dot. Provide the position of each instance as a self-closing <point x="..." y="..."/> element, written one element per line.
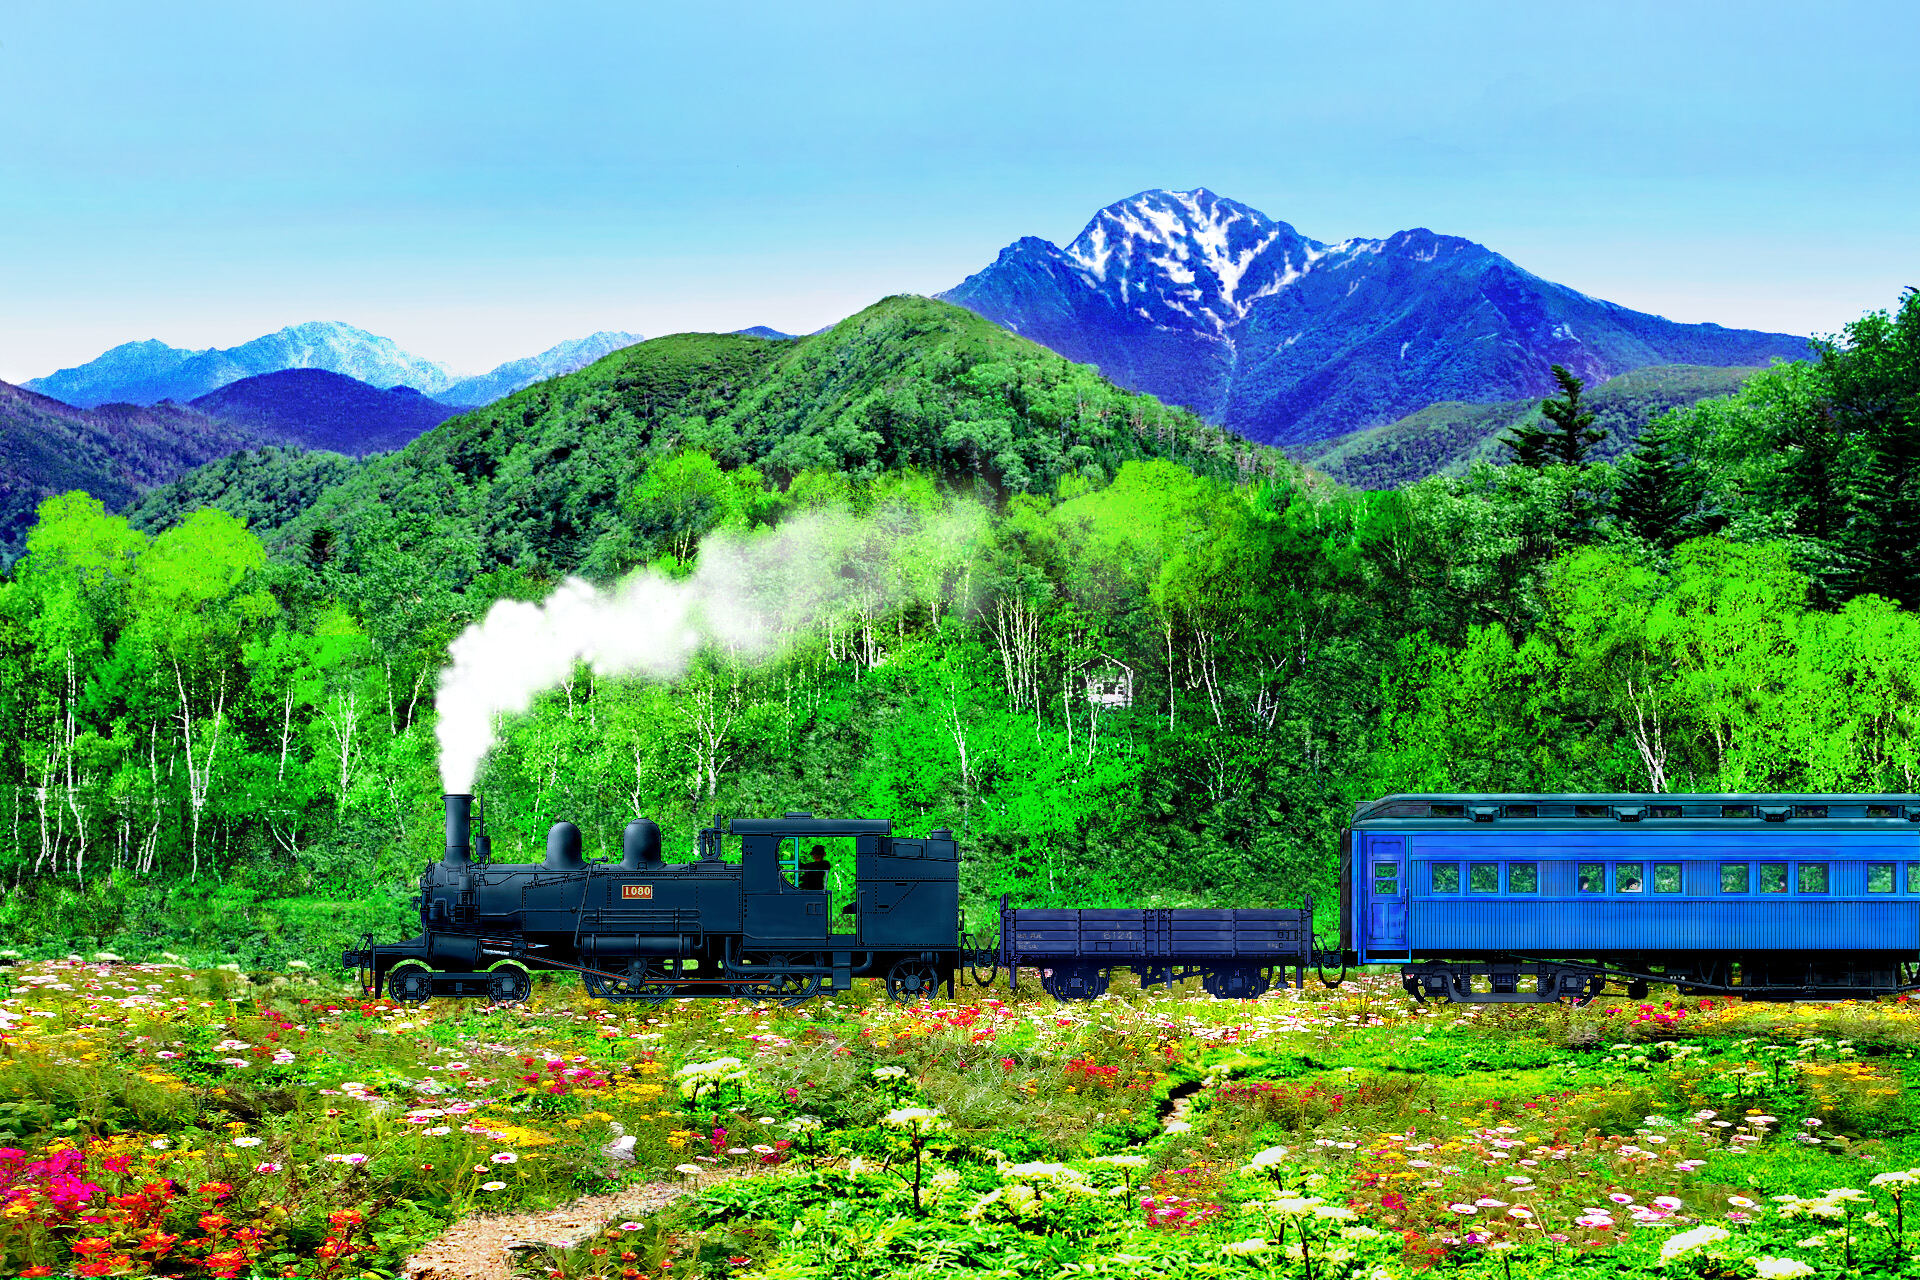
<point x="1666" y="877"/>
<point x="1592" y="877"/>
<point x="1879" y="877"/>
<point x="1913" y="877"/>
<point x="1773" y="877"/>
<point x="1626" y="877"/>
<point x="1735" y="877"/>
<point x="1522" y="811"/>
<point x="1447" y="811"/>
<point x="1736" y="811"/>
<point x="1591" y="811"/>
<point x="1523" y="877"/>
<point x="1813" y="877"/>
<point x="1483" y="877"/>
<point x="1446" y="877"/>
<point x="1386" y="879"/>
<point x="1664" y="811"/>
<point x="1810" y="811"/>
<point x="1883" y="811"/>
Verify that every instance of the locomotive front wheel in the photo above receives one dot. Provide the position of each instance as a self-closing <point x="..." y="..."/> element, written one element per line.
<point x="410" y="983"/>
<point x="912" y="981"/>
<point x="509" y="984"/>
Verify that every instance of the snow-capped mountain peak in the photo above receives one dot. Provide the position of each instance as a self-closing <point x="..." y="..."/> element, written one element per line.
<point x="1209" y="303"/>
<point x="1189" y="257"/>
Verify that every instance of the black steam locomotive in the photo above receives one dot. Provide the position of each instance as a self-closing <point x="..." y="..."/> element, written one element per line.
<point x="761" y="928"/>
<point x="647" y="929"/>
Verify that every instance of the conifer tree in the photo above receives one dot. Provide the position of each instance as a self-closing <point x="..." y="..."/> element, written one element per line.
<point x="1658" y="494"/>
<point x="1875" y="381"/>
<point x="1528" y="444"/>
<point x="1568" y="436"/>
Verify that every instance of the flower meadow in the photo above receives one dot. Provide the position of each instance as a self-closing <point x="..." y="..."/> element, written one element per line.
<point x="160" y="1120"/>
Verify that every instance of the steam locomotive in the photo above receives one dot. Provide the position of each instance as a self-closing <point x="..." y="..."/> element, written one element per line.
<point x="1476" y="898"/>
<point x="647" y="929"/>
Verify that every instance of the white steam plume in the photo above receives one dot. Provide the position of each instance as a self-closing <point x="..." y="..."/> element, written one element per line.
<point x="752" y="595"/>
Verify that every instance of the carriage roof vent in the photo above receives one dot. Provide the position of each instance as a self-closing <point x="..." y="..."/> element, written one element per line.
<point x="1629" y="812"/>
<point x="1483" y="812"/>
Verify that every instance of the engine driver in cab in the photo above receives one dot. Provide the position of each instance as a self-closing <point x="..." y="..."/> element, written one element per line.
<point x="813" y="872"/>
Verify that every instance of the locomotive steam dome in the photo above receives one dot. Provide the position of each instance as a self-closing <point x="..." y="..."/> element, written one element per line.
<point x="640" y="847"/>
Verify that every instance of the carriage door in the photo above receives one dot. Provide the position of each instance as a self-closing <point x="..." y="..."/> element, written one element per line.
<point x="1386" y="881"/>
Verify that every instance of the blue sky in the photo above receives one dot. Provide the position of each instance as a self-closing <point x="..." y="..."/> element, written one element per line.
<point x="480" y="180"/>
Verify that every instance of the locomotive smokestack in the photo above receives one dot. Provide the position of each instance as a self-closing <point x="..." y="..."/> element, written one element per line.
<point x="459" y="828"/>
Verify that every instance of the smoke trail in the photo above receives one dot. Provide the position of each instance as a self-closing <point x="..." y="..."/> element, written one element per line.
<point x="753" y="595"/>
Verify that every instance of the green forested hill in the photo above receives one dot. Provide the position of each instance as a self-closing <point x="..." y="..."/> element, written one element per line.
<point x="115" y="451"/>
<point x="551" y="478"/>
<point x="1448" y="437"/>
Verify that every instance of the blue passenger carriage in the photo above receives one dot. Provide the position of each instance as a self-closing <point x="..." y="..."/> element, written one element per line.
<point x="1517" y="898"/>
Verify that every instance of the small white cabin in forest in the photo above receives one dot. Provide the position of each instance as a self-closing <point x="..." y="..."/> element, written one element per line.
<point x="1109" y="681"/>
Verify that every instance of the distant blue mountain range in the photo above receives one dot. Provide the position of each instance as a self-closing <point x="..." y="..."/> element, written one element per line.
<point x="146" y="373"/>
<point x="1210" y="304"/>
<point x="320" y="409"/>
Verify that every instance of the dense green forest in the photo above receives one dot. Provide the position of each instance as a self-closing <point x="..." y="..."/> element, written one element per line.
<point x="1127" y="657"/>
<point x="1452" y="435"/>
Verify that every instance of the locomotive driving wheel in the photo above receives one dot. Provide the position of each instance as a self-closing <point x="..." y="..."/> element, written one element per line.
<point x="651" y="979"/>
<point x="410" y="983"/>
<point x="509" y="983"/>
<point x="911" y="981"/>
<point x="781" y="982"/>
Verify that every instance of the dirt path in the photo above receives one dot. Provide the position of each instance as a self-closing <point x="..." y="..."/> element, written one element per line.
<point x="479" y="1247"/>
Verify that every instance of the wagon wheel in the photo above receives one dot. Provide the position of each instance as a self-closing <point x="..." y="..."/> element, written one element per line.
<point x="410" y="983"/>
<point x="912" y="981"/>
<point x="1596" y="987"/>
<point x="509" y="983"/>
<point x="1076" y="982"/>
<point x="1221" y="984"/>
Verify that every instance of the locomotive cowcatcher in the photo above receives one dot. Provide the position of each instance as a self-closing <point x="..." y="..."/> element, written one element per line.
<point x="646" y="929"/>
